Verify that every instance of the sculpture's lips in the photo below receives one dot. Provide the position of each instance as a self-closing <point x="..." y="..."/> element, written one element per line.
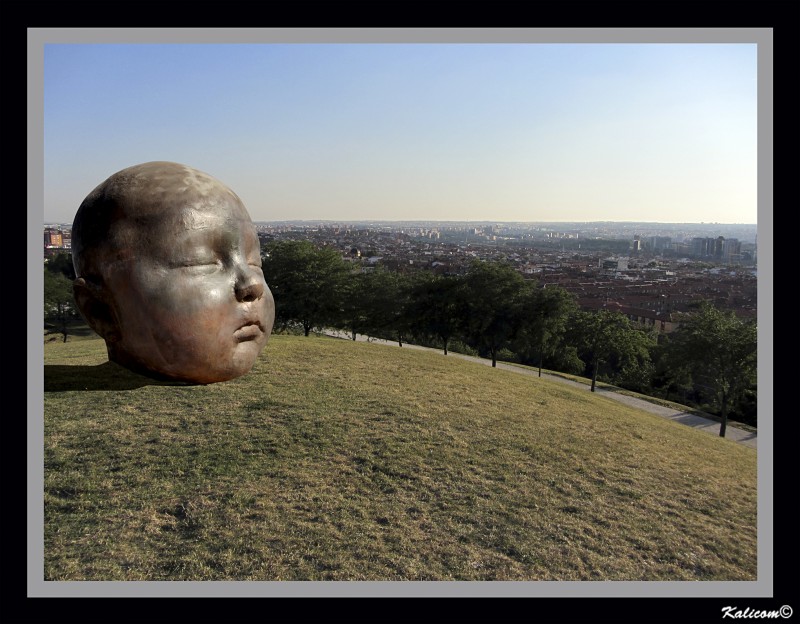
<point x="249" y="331"/>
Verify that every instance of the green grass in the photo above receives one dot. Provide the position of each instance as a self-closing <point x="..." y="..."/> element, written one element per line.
<point x="335" y="460"/>
<point x="644" y="397"/>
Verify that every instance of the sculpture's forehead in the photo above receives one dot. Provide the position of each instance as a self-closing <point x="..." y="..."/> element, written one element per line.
<point x="182" y="232"/>
<point x="199" y="215"/>
<point x="189" y="187"/>
<point x="159" y="202"/>
<point x="156" y="208"/>
<point x="169" y="189"/>
<point x="172" y="228"/>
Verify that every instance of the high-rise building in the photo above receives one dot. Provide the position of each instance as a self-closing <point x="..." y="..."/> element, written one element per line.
<point x="660" y="243"/>
<point x="719" y="244"/>
<point x="731" y="250"/>
<point x="53" y="238"/>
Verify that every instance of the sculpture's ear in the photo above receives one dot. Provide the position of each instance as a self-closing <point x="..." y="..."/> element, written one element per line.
<point x="95" y="306"/>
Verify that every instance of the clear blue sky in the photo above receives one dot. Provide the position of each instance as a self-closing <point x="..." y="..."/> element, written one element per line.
<point x="499" y="132"/>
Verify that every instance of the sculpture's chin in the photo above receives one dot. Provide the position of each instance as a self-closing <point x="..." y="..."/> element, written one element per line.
<point x="240" y="364"/>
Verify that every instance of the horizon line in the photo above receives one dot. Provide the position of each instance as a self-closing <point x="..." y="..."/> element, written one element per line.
<point x="46" y="222"/>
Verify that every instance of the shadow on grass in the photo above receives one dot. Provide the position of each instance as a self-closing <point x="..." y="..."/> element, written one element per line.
<point x="108" y="376"/>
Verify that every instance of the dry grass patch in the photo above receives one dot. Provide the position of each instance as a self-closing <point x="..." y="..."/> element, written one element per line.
<point x="335" y="460"/>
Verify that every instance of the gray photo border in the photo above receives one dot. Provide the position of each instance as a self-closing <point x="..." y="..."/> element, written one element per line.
<point x="37" y="38"/>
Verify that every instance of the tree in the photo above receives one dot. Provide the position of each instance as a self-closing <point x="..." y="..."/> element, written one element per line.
<point x="606" y="338"/>
<point x="375" y="304"/>
<point x="545" y="312"/>
<point x="720" y="350"/>
<point x="308" y="284"/>
<point x="59" y="303"/>
<point x="434" y="306"/>
<point x="390" y="303"/>
<point x="490" y="311"/>
<point x="61" y="263"/>
<point x="355" y="306"/>
<point x="672" y="378"/>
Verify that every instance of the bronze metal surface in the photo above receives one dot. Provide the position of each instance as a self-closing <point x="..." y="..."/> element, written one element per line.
<point x="168" y="267"/>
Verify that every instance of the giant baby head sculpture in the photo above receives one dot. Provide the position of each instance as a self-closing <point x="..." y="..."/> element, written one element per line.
<point x="168" y="268"/>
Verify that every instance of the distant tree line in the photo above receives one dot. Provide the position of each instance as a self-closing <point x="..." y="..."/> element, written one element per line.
<point x="709" y="362"/>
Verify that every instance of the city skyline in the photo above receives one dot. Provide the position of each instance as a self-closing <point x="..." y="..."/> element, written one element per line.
<point x="507" y="132"/>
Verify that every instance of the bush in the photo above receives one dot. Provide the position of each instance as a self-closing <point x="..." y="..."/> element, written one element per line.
<point x="289" y="328"/>
<point x="507" y="355"/>
<point x="456" y="346"/>
<point x="636" y="378"/>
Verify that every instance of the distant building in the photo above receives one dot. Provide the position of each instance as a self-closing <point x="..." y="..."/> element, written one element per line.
<point x="660" y="243"/>
<point x="662" y="322"/>
<point x="731" y="250"/>
<point x="614" y="264"/>
<point x="53" y="238"/>
<point x="701" y="247"/>
<point x="724" y="250"/>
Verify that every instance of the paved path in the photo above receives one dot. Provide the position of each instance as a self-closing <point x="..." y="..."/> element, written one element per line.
<point x="747" y="438"/>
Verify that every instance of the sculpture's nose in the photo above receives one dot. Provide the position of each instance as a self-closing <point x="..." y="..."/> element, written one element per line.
<point x="249" y="284"/>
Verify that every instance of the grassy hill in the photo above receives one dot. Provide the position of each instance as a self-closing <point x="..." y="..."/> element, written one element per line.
<point x="335" y="460"/>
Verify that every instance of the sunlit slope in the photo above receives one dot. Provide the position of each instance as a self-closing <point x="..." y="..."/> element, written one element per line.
<point x="335" y="460"/>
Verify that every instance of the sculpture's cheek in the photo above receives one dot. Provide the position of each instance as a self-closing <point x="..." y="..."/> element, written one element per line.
<point x="191" y="328"/>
